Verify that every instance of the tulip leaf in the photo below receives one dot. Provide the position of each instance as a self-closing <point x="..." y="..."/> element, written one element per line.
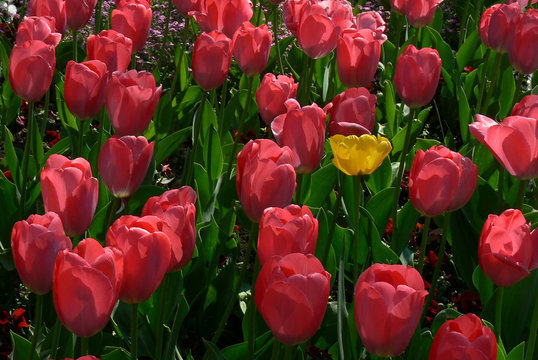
<point x="5" y="50"/>
<point x="203" y="186"/>
<point x="21" y="348"/>
<point x="381" y="178"/>
<point x="464" y="245"/>
<point x="213" y="352"/>
<point x="507" y="89"/>
<point x="390" y="108"/>
<point x="445" y="51"/>
<point x="321" y="184"/>
<point x="239" y="351"/>
<point x="380" y="251"/>
<point x="464" y="114"/>
<point x="467" y="50"/>
<point x="483" y="284"/>
<point x="517" y="353"/>
<point x="170" y="144"/>
<point x="11" y="104"/>
<point x="213" y="158"/>
<point x="442" y="317"/>
<point x="407" y="220"/>
<point x="419" y="346"/>
<point x="116" y="354"/>
<point x="12" y="159"/>
<point x="399" y="138"/>
<point x="380" y="206"/>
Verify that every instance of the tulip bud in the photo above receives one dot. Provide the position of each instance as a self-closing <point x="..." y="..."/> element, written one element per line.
<point x="527" y="107"/>
<point x="417" y="75"/>
<point x="38" y="28"/>
<point x="388" y="305"/>
<point x="302" y="129"/>
<point x="523" y="52"/>
<point x="508" y="250"/>
<point x="35" y="243"/>
<point x="133" y="19"/>
<point x="84" y="87"/>
<point x="265" y="177"/>
<point x="251" y="48"/>
<point x="223" y="15"/>
<point x="79" y="12"/>
<point x="146" y="255"/>
<point x="419" y="13"/>
<point x="185" y="7"/>
<point x="273" y="93"/>
<point x="211" y="59"/>
<point x="352" y="112"/>
<point x="31" y="69"/>
<point x="497" y="25"/>
<point x="177" y="209"/>
<point x="54" y="8"/>
<point x="86" y="286"/>
<point x="441" y="180"/>
<point x="131" y="99"/>
<point x="69" y="190"/>
<point x="291" y="294"/>
<point x="112" y="48"/>
<point x="513" y="142"/>
<point x="356" y="155"/>
<point x="371" y="20"/>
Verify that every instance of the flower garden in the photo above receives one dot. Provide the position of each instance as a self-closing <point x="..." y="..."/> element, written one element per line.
<point x="298" y="179"/>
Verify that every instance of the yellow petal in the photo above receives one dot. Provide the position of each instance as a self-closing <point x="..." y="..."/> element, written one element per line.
<point x="355" y="155"/>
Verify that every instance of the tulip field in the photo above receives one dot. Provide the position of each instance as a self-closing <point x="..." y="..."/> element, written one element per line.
<point x="268" y="179"/>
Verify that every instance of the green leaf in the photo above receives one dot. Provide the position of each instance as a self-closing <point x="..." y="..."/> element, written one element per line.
<point x="464" y="114"/>
<point x="483" y="284"/>
<point x="442" y="317"/>
<point x="380" y="251"/>
<point x="467" y="50"/>
<point x="507" y="88"/>
<point x="321" y="185"/>
<point x="419" y="347"/>
<point x="21" y="348"/>
<point x="213" y="158"/>
<point x="407" y="220"/>
<point x="445" y="51"/>
<point x="116" y="354"/>
<point x="137" y="201"/>
<point x="10" y="102"/>
<point x="517" y="353"/>
<point x="381" y="178"/>
<point x="12" y="159"/>
<point x="170" y="144"/>
<point x="399" y="139"/>
<point x="390" y="108"/>
<point x="380" y="206"/>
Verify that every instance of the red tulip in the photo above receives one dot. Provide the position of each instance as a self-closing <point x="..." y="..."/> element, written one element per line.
<point x="388" y="305"/>
<point x="419" y="13"/>
<point x="69" y="190"/>
<point x="513" y="142"/>
<point x="265" y="177"/>
<point x="223" y="15"/>
<point x="79" y="12"/>
<point x="123" y="164"/>
<point x="273" y="93"/>
<point x="527" y="107"/>
<point x="291" y="11"/>
<point x="31" y="69"/>
<point x="131" y="99"/>
<point x="358" y="53"/>
<point x="211" y="59"/>
<point x="291" y="294"/>
<point x="497" y="25"/>
<point x="283" y="231"/>
<point x="38" y="28"/>
<point x="320" y="24"/>
<point x="187" y="6"/>
<point x="302" y="129"/>
<point x="35" y="243"/>
<point x="441" y="180"/>
<point x="523" y="3"/>
<point x="508" y="250"/>
<point x="133" y="19"/>
<point x="464" y="338"/>
<point x="251" y="48"/>
<point x="54" y="8"/>
<point x="177" y="209"/>
<point x="523" y="53"/>
<point x="417" y="75"/>
<point x="371" y="20"/>
<point x="84" y="87"/>
<point x="146" y="255"/>
<point x="112" y="48"/>
<point x="352" y="112"/>
<point x="86" y="286"/>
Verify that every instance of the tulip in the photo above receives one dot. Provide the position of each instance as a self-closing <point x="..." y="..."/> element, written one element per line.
<point x="320" y="24"/>
<point x="177" y="209"/>
<point x="417" y="75"/>
<point x="84" y="87"/>
<point x="513" y="142"/>
<point x="265" y="177"/>
<point x="251" y="48"/>
<point x="291" y="294"/>
<point x="223" y="15"/>
<point x="69" y="190"/>
<point x="497" y="25"/>
<point x="53" y="8"/>
<point x="86" y="286"/>
<point x="291" y="11"/>
<point x="523" y="3"/>
<point x="133" y="19"/>
<point x="31" y="69"/>
<point x="527" y="107"/>
<point x="35" y="243"/>
<point x="508" y="250"/>
<point x="302" y="129"/>
<point x="146" y="255"/>
<point x="464" y="338"/>
<point x="38" y="28"/>
<point x="79" y="12"/>
<point x="123" y="164"/>
<point x="187" y="6"/>
<point x="131" y="99"/>
<point x="288" y="230"/>
<point x="419" y="13"/>
<point x="352" y="112"/>
<point x="211" y="59"/>
<point x="388" y="305"/>
<point x="273" y="93"/>
<point x="371" y="20"/>
<point x="441" y="180"/>
<point x="112" y="48"/>
<point x="356" y="155"/>
<point x="523" y="53"/>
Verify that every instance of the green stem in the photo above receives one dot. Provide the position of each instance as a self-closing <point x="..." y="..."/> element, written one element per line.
<point x="252" y="320"/>
<point x="181" y="54"/>
<point x="98" y="16"/>
<point x="355" y="245"/>
<point x="533" y="331"/>
<point x="336" y="210"/>
<point x="133" y="60"/>
<point x="496" y="65"/>
<point x="80" y="139"/>
<point x="192" y="154"/>
<point x="521" y="193"/>
<point x="160" y="316"/>
<point x="45" y="114"/>
<point x="519" y="85"/>
<point x="498" y="312"/>
<point x="37" y="325"/>
<point x="258" y="13"/>
<point x="223" y="93"/>
<point x="329" y="96"/>
<point x="26" y="158"/>
<point x="299" y="189"/>
<point x="478" y="11"/>
<point x="288" y="352"/>
<point x="84" y="346"/>
<point x="113" y="208"/>
<point x="275" y="353"/>
<point x="240" y="129"/>
<point x="500" y="188"/>
<point x="423" y="244"/>
<point x="55" y="338"/>
<point x="276" y="22"/>
<point x="134" y="331"/>
<point x="172" y="339"/>
<point x="229" y="307"/>
<point x="341" y="300"/>
<point x="75" y="46"/>
<point x="399" y="27"/>
<point x="307" y="88"/>
<point x="483" y="81"/>
<point x="464" y="21"/>
<point x="165" y="36"/>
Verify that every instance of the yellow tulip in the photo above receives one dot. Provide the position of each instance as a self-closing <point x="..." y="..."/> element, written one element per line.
<point x="359" y="155"/>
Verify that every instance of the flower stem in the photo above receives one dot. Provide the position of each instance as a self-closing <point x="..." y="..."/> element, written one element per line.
<point x="521" y="193"/>
<point x="37" y="325"/>
<point x="423" y="244"/>
<point x="483" y="81"/>
<point x="55" y="338"/>
<point x="98" y="16"/>
<point x="26" y="157"/>
<point x="275" y="353"/>
<point x="500" y="188"/>
<point x="223" y="93"/>
<point x="75" y="46"/>
<point x="192" y="154"/>
<point x="276" y="22"/>
<point x="299" y="188"/>
<point x="519" y="85"/>
<point x="181" y="53"/>
<point x="252" y="320"/>
<point x="498" y="312"/>
<point x="165" y="36"/>
<point x="43" y="128"/>
<point x="336" y="210"/>
<point x="80" y="139"/>
<point x="496" y="65"/>
<point x="355" y="245"/>
<point x="288" y="352"/>
<point x="84" y="346"/>
<point x="160" y="316"/>
<point x="341" y="298"/>
<point x="533" y="331"/>
<point x="134" y="331"/>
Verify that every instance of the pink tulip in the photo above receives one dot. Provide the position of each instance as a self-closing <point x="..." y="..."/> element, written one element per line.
<point x="54" y="8"/>
<point x="187" y="6"/>
<point x="79" y="12"/>
<point x="273" y="93"/>
<point x="291" y="11"/>
<point x="419" y="13"/>
<point x="112" y="48"/>
<point x="251" y="48"/>
<point x="497" y="25"/>
<point x="352" y="112"/>
<point x="371" y="20"/>
<point x="38" y="28"/>
<point x="84" y="87"/>
<point x="523" y="52"/>
<point x="223" y="15"/>
<point x="133" y="19"/>
<point x="211" y="59"/>
<point x="527" y="107"/>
